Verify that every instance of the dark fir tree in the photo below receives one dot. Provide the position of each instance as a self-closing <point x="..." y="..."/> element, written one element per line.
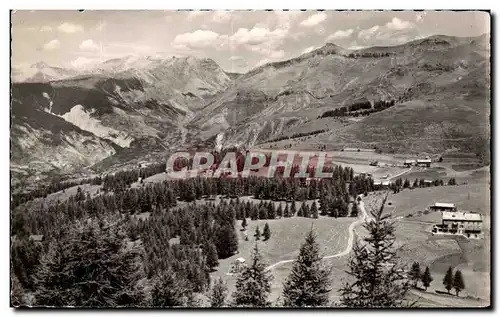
<point x="218" y="294"/>
<point x="279" y="211"/>
<point x="448" y="279"/>
<point x="379" y="278"/>
<point x="426" y="278"/>
<point x="286" y="213"/>
<point x="253" y="285"/>
<point x="354" y="209"/>
<point x="257" y="233"/>
<point x="92" y="263"/>
<point x="293" y="209"/>
<point x="227" y="241"/>
<point x="212" y="258"/>
<point x="415" y="274"/>
<point x="314" y="210"/>
<point x="458" y="282"/>
<point x="267" y="232"/>
<point x="308" y="284"/>
<point x="170" y="289"/>
<point x="244" y="223"/>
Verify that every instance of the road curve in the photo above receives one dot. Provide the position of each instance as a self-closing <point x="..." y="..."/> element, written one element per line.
<point x="350" y="241"/>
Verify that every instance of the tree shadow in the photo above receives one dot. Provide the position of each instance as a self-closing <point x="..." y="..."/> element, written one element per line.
<point x="444" y="293"/>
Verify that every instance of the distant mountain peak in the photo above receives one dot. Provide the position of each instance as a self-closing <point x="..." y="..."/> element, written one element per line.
<point x="40" y="65"/>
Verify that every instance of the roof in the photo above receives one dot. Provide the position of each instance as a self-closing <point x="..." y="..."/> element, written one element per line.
<point x="444" y="205"/>
<point x="461" y="215"/>
<point x="386" y="183"/>
<point x="409" y="161"/>
<point x="240" y="260"/>
<point x="424" y="161"/>
<point x="428" y="181"/>
<point x="377" y="183"/>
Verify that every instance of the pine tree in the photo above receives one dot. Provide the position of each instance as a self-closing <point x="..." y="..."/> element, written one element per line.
<point x="218" y="294"/>
<point x="308" y="284"/>
<point x="448" y="280"/>
<point x="170" y="290"/>
<point x="426" y="278"/>
<point x="267" y="232"/>
<point x="279" y="211"/>
<point x="458" y="282"/>
<point x="244" y="223"/>
<point x="271" y="213"/>
<point x="307" y="210"/>
<point x="354" y="209"/>
<point x="254" y="284"/>
<point x="415" y="274"/>
<point x="293" y="209"/>
<point x="227" y="241"/>
<point x="314" y="210"/>
<point x="91" y="263"/>
<point x="415" y="183"/>
<point x="257" y="233"/>
<point x="380" y="280"/>
<point x="286" y="213"/>
<point x="16" y="292"/>
<point x="212" y="259"/>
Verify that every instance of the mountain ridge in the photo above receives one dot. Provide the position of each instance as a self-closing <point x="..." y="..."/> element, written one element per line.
<point x="180" y="102"/>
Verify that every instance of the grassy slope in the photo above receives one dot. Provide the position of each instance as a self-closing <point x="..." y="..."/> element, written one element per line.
<point x="287" y="236"/>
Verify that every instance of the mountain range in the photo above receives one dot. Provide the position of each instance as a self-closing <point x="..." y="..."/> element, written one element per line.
<point x="135" y="108"/>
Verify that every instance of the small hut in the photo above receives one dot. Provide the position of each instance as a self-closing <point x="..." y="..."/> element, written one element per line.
<point x="238" y="265"/>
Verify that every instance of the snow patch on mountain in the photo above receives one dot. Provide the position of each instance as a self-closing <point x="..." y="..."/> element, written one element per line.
<point x="218" y="141"/>
<point x="82" y="119"/>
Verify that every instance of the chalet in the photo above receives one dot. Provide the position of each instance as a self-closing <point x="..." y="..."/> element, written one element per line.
<point x="377" y="183"/>
<point x="428" y="183"/>
<point x="443" y="207"/>
<point x="424" y="162"/>
<point x="386" y="183"/>
<point x="464" y="223"/>
<point x="409" y="163"/>
<point x="238" y="265"/>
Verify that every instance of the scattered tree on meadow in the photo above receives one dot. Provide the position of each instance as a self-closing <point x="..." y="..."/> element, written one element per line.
<point x="91" y="263"/>
<point x="293" y="209"/>
<point x="354" y="209"/>
<point x="218" y="294"/>
<point x="286" y="213"/>
<point x="415" y="183"/>
<point x="308" y="284"/>
<point x="415" y="274"/>
<point x="267" y="232"/>
<point x="254" y="284"/>
<point x="257" y="233"/>
<point x="244" y="223"/>
<point x="448" y="280"/>
<point x="279" y="211"/>
<point x="380" y="281"/>
<point x="426" y="278"/>
<point x="458" y="282"/>
<point x="314" y="210"/>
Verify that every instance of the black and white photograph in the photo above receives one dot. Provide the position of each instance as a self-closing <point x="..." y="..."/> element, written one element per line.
<point x="237" y="159"/>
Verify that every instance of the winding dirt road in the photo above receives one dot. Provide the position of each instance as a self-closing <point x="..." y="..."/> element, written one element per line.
<point x="350" y="241"/>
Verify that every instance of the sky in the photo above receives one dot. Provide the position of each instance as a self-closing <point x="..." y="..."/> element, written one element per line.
<point x="237" y="40"/>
